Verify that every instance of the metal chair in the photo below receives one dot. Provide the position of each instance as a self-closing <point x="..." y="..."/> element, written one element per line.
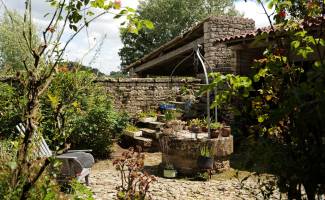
<point x="75" y="163"/>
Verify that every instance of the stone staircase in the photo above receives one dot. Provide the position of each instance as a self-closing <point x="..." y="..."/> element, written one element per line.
<point x="149" y="139"/>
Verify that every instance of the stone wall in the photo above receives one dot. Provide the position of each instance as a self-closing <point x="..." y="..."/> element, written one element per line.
<point x="218" y="55"/>
<point x="134" y="95"/>
<point x="184" y="153"/>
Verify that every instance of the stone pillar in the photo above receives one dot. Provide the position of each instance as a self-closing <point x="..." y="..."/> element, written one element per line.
<point x="218" y="55"/>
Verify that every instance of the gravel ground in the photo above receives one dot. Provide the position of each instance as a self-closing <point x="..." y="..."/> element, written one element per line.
<point x="105" y="178"/>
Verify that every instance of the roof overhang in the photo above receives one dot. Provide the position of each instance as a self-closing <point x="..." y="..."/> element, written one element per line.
<point x="177" y="46"/>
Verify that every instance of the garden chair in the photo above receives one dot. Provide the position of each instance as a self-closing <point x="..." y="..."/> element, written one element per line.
<point x="75" y="163"/>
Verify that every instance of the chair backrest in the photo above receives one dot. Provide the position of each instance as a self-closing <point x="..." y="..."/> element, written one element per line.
<point x="42" y="147"/>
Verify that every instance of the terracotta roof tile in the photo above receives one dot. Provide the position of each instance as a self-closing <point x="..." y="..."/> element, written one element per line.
<point x="312" y="22"/>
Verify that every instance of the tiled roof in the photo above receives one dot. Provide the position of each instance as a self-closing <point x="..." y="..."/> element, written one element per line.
<point x="246" y="35"/>
<point x="309" y="23"/>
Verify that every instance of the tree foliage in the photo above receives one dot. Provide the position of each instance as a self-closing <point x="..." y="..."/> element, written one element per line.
<point x="170" y="18"/>
<point x="12" y="47"/>
<point x="11" y="108"/>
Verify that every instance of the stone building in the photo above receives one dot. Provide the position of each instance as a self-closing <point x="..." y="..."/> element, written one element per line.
<point x="228" y="45"/>
<point x="151" y="83"/>
<point x="163" y="60"/>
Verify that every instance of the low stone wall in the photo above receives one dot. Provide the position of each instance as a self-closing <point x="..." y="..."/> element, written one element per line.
<point x="134" y="95"/>
<point x="183" y="153"/>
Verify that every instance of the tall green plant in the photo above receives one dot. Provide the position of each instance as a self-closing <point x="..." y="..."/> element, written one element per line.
<point x="13" y="49"/>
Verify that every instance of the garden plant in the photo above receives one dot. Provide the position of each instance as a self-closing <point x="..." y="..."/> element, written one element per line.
<point x="281" y="104"/>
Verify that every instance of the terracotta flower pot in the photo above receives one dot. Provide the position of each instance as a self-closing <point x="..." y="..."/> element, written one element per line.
<point x="205" y="129"/>
<point x="215" y="133"/>
<point x="195" y="129"/>
<point x="225" y="131"/>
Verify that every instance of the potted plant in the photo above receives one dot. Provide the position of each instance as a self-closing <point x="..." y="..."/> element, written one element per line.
<point x="149" y="116"/>
<point x="215" y="129"/>
<point x="195" y="125"/>
<point x="206" y="158"/>
<point x="225" y="131"/>
<point x="132" y="131"/>
<point x="169" y="171"/>
<point x="204" y="125"/>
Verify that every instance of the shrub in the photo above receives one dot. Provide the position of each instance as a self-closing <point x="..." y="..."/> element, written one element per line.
<point x="131" y="128"/>
<point x="78" y="111"/>
<point x="80" y="191"/>
<point x="10" y="109"/>
<point x="93" y="128"/>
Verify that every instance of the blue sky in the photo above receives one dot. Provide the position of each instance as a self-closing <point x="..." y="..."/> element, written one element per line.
<point x="108" y="60"/>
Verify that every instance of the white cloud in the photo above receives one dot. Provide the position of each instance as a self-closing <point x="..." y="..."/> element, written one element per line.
<point x="254" y="11"/>
<point x="108" y="59"/>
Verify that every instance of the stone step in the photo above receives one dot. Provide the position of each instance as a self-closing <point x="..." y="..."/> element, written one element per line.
<point x="151" y="125"/>
<point x="150" y="133"/>
<point x="143" y="141"/>
<point x="133" y="134"/>
<point x="155" y="125"/>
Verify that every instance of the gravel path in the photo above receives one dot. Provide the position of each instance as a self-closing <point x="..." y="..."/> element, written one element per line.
<point x="105" y="178"/>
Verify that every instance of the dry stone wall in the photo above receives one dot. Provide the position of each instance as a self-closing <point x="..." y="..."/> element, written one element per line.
<point x="134" y="95"/>
<point x="218" y="55"/>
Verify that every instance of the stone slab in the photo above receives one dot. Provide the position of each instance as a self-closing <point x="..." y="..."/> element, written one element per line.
<point x="150" y="133"/>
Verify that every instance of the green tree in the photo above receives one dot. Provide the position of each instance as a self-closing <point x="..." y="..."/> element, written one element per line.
<point x="13" y="49"/>
<point x="170" y="18"/>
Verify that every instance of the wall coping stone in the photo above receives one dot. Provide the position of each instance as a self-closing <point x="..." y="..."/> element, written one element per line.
<point x="149" y="80"/>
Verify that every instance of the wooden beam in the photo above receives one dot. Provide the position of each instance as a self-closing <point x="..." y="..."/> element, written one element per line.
<point x="169" y="55"/>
